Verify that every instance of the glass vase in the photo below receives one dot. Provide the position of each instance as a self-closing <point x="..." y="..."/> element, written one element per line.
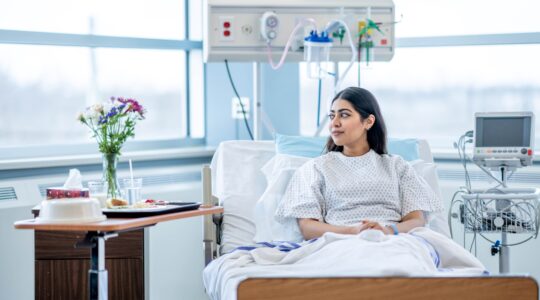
<point x="110" y="162"/>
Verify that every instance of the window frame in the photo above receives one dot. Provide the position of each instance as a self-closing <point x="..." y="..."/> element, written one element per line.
<point x="518" y="38"/>
<point x="469" y="40"/>
<point x="22" y="37"/>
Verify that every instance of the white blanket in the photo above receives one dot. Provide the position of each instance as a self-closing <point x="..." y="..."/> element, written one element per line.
<point x="370" y="253"/>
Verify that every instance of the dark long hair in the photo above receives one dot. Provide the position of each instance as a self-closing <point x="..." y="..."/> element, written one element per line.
<point x="365" y="104"/>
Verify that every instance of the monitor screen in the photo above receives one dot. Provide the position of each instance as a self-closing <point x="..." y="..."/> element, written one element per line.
<point x="503" y="131"/>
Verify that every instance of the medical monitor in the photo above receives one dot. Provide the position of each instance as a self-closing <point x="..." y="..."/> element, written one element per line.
<point x="504" y="139"/>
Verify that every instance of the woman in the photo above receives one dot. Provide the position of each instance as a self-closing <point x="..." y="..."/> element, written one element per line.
<point x="356" y="185"/>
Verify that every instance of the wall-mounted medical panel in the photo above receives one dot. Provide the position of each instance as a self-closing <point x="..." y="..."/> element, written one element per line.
<point x="235" y="30"/>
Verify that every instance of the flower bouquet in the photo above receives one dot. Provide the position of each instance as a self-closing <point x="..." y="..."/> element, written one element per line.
<point x="111" y="124"/>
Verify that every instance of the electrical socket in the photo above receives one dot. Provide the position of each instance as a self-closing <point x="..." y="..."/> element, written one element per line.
<point x="237" y="109"/>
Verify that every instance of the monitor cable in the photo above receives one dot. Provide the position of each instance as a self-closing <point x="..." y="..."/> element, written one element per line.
<point x="239" y="100"/>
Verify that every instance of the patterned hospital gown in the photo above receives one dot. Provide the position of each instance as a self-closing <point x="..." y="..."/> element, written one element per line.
<point x="342" y="190"/>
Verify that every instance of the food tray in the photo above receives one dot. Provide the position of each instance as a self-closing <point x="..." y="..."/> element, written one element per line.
<point x="172" y="207"/>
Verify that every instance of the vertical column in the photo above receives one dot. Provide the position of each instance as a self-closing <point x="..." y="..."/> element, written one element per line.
<point x="209" y="242"/>
<point x="504" y="255"/>
<point x="256" y="101"/>
<point x="98" y="274"/>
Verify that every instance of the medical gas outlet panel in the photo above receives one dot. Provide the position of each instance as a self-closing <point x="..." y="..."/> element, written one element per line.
<point x="253" y="30"/>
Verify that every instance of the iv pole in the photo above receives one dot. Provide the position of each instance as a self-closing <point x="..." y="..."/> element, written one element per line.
<point x="256" y="101"/>
<point x="504" y="252"/>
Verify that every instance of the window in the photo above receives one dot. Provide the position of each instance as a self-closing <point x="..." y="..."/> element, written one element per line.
<point x="433" y="92"/>
<point x="463" y="17"/>
<point x="161" y="19"/>
<point x="436" y="98"/>
<point x="48" y="77"/>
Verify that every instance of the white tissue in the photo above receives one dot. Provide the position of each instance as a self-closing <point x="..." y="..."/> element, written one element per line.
<point x="74" y="180"/>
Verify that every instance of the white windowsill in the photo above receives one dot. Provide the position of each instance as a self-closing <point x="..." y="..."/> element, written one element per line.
<point x="87" y="159"/>
<point x="445" y="153"/>
<point x="149" y="155"/>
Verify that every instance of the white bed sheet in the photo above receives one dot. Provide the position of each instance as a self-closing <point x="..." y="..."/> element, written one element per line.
<point x="334" y="255"/>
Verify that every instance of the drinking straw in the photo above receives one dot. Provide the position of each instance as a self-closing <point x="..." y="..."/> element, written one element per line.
<point x="131" y="172"/>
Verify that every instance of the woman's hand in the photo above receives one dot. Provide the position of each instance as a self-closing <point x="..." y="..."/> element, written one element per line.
<point x="411" y="220"/>
<point x="365" y="225"/>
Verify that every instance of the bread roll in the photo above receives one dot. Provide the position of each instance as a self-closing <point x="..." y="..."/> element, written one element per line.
<point x="116" y="202"/>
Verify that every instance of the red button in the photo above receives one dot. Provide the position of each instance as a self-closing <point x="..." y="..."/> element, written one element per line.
<point x="384" y="41"/>
<point x="226" y="24"/>
<point x="529" y="152"/>
<point x="226" y="33"/>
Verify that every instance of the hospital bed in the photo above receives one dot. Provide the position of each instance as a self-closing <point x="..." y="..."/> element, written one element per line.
<point x="238" y="182"/>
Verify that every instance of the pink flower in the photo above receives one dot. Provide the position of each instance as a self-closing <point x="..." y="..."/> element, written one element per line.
<point x="134" y="106"/>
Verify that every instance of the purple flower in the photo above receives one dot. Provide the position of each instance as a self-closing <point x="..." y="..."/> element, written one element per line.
<point x="113" y="112"/>
<point x="108" y="125"/>
<point x="103" y="120"/>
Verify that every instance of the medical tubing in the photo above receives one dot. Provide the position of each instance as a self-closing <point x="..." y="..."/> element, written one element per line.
<point x="473" y="242"/>
<point x="450" y="211"/>
<point x="507" y="178"/>
<point x="319" y="103"/>
<point x="468" y="176"/>
<point x="476" y="213"/>
<point x="475" y="246"/>
<point x="461" y="151"/>
<point x="359" y="57"/>
<point x="353" y="56"/>
<point x="461" y="145"/>
<point x="301" y="24"/>
<point x="239" y="100"/>
<point x="491" y="175"/>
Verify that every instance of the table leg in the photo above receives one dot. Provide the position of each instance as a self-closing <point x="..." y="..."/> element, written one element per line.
<point x="97" y="275"/>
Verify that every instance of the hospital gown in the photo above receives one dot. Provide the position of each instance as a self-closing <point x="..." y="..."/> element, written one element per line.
<point x="342" y="190"/>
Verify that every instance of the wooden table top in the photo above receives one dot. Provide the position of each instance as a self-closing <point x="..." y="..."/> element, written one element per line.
<point x="116" y="224"/>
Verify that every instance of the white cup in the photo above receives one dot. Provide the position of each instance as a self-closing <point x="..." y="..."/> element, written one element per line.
<point x="98" y="190"/>
<point x="132" y="189"/>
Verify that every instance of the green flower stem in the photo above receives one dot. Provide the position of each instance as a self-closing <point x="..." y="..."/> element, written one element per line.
<point x="111" y="128"/>
<point x="109" y="174"/>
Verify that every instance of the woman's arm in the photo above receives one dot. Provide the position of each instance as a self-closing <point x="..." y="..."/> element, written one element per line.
<point x="312" y="228"/>
<point x="411" y="220"/>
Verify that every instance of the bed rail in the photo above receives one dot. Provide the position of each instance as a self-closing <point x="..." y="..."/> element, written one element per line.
<point x="212" y="223"/>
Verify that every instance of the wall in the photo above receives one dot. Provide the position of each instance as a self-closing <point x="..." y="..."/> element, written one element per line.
<point x="16" y="255"/>
<point x="174" y="258"/>
<point x="280" y="100"/>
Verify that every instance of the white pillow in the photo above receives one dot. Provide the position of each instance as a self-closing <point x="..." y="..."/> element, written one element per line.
<point x="238" y="191"/>
<point x="278" y="172"/>
<point x="437" y="221"/>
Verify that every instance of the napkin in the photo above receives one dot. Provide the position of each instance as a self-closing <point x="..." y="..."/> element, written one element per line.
<point x="74" y="180"/>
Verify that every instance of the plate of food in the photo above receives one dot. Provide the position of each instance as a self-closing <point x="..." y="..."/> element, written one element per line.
<point x="120" y="208"/>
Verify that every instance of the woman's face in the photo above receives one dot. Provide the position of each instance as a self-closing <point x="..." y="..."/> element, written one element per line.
<point x="346" y="125"/>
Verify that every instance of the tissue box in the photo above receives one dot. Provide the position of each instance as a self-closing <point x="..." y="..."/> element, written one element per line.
<point x="60" y="192"/>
